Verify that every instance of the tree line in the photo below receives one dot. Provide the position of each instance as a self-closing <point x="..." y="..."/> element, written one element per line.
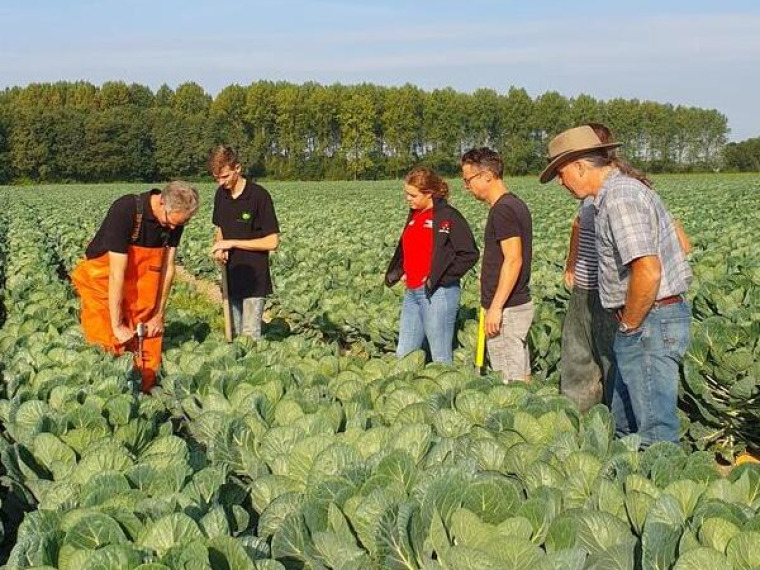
<point x="743" y="156"/>
<point x="76" y="131"/>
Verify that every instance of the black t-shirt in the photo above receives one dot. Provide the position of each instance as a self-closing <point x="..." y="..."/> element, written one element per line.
<point x="115" y="233"/>
<point x="509" y="217"/>
<point x="249" y="216"/>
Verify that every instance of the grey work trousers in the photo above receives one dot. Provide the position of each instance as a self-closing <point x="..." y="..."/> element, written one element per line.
<point x="587" y="365"/>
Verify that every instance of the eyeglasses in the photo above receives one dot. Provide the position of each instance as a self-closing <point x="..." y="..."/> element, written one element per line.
<point x="471" y="178"/>
<point x="169" y="223"/>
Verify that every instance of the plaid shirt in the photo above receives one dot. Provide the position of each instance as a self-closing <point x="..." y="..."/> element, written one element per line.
<point x="632" y="222"/>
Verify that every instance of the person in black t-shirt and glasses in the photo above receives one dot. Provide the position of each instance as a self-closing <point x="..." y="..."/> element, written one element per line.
<point x="125" y="278"/>
<point x="434" y="252"/>
<point x="246" y="230"/>
<point x="505" y="271"/>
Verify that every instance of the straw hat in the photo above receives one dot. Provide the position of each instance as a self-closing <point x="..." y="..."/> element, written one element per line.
<point x="569" y="145"/>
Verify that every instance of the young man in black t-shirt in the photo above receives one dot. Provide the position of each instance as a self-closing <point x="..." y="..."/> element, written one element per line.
<point x="505" y="270"/>
<point x="246" y="230"/>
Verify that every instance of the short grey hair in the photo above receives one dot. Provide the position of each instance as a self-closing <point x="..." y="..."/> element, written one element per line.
<point x="179" y="196"/>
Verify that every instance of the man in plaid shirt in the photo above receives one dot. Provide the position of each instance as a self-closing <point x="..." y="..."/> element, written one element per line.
<point x="643" y="277"/>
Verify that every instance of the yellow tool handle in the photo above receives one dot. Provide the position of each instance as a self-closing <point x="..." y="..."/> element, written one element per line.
<point x="480" y="350"/>
<point x="226" y="311"/>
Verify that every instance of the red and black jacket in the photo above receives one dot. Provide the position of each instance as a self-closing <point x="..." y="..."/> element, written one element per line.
<point x="454" y="249"/>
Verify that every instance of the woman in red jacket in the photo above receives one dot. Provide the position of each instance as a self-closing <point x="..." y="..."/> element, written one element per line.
<point x="435" y="250"/>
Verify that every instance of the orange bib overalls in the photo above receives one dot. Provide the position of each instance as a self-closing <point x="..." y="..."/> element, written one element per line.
<point x="142" y="290"/>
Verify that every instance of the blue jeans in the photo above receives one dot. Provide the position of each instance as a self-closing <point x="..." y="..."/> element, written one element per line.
<point x="246" y="316"/>
<point x="644" y="399"/>
<point x="433" y="319"/>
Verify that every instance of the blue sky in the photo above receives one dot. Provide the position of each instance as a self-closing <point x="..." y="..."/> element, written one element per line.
<point x="702" y="53"/>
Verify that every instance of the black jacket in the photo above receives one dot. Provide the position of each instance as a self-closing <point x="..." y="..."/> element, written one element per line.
<point x="454" y="249"/>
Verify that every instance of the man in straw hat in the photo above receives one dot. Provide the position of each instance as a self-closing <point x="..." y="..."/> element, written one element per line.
<point x="643" y="277"/>
<point x="586" y="366"/>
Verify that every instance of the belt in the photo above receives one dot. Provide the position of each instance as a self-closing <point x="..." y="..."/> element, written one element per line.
<point x="673" y="299"/>
<point x="668" y="301"/>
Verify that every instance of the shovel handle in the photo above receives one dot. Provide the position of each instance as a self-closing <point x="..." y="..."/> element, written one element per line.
<point x="226" y="304"/>
<point x="480" y="348"/>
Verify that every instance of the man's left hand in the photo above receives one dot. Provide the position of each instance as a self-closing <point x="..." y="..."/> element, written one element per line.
<point x="493" y="321"/>
<point x="222" y="245"/>
<point x="155" y="326"/>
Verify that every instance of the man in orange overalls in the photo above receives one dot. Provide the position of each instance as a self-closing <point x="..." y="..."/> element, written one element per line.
<point x="127" y="274"/>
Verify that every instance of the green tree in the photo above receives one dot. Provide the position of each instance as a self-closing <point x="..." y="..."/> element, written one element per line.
<point x="551" y="115"/>
<point x="521" y="152"/>
<point x="402" y="127"/>
<point x="6" y="172"/>
<point x="140" y="96"/>
<point x="229" y="104"/>
<point x="484" y="120"/>
<point x="180" y="144"/>
<point x="164" y="96"/>
<point x="682" y="134"/>
<point x="119" y="145"/>
<point x="226" y="124"/>
<point x="114" y="94"/>
<point x="32" y="143"/>
<point x="291" y="128"/>
<point x="356" y="117"/>
<point x="84" y="96"/>
<point x="259" y="117"/>
<point x="712" y="127"/>
<point x="743" y="156"/>
<point x="190" y="99"/>
<point x="584" y="109"/>
<point x="657" y="134"/>
<point x="622" y="117"/>
<point x="323" y="143"/>
<point x="443" y="113"/>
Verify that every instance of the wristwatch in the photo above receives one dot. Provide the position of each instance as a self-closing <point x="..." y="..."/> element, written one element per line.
<point x="625" y="327"/>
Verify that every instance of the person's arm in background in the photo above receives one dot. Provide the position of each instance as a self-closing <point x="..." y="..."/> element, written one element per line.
<point x="683" y="239"/>
<point x="572" y="253"/>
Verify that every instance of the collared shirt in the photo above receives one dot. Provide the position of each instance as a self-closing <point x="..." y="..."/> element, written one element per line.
<point x="632" y="222"/>
<point x="587" y="261"/>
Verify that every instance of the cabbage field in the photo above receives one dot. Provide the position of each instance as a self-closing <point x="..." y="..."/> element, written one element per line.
<point x="317" y="449"/>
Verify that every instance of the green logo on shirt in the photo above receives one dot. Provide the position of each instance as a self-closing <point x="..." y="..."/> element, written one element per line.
<point x="246" y="216"/>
